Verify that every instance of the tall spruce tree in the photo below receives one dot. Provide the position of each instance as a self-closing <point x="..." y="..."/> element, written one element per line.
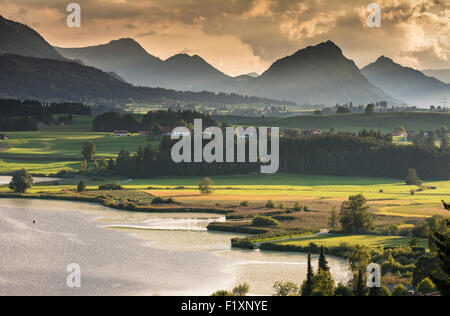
<point x="360" y="289"/>
<point x="442" y="242"/>
<point x="308" y="284"/>
<point x="323" y="263"/>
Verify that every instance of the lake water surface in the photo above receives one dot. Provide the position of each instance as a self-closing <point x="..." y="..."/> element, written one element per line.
<point x="130" y="253"/>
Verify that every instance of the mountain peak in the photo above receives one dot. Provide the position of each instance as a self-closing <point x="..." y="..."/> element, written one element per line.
<point x="384" y="59"/>
<point x="125" y="42"/>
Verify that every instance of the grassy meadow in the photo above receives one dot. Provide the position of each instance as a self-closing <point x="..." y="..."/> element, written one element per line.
<point x="367" y="240"/>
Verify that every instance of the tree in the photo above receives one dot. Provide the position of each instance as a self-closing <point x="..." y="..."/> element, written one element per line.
<point x="426" y="286"/>
<point x="241" y="290"/>
<point x="359" y="259"/>
<point x="323" y="263"/>
<point x="400" y="290"/>
<point x="370" y="109"/>
<point x="360" y="288"/>
<point x="379" y="291"/>
<point x="222" y="293"/>
<point x="205" y="186"/>
<point x="21" y="181"/>
<point x="308" y="284"/>
<point x="445" y="143"/>
<point x="81" y="186"/>
<point x="270" y="204"/>
<point x="413" y="178"/>
<point x="323" y="284"/>
<point x="400" y="129"/>
<point x="88" y="151"/>
<point x="355" y="216"/>
<point x="442" y="243"/>
<point x="286" y="289"/>
<point x="84" y="166"/>
<point x="342" y="290"/>
<point x="333" y="220"/>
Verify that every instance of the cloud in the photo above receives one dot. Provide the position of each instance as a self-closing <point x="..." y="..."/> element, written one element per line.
<point x="414" y="32"/>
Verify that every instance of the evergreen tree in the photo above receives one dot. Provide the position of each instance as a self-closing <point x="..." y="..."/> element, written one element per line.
<point x="323" y="263"/>
<point x="308" y="284"/>
<point x="360" y="289"/>
<point x="442" y="242"/>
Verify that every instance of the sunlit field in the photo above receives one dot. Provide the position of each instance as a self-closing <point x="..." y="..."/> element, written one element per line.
<point x="385" y="196"/>
<point x="367" y="240"/>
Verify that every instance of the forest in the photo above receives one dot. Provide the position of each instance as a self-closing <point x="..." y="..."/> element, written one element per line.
<point x="366" y="154"/>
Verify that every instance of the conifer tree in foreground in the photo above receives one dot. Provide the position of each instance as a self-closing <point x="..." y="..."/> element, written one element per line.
<point x="323" y="263"/>
<point x="308" y="283"/>
<point x="360" y="289"/>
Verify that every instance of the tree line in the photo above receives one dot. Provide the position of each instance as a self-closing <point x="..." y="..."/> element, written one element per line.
<point x="339" y="154"/>
<point x="17" y="115"/>
<point x="152" y="121"/>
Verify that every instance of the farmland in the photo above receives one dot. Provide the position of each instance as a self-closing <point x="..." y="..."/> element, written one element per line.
<point x="353" y="122"/>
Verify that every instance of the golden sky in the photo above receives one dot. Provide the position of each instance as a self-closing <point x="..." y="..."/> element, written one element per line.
<point x="242" y="36"/>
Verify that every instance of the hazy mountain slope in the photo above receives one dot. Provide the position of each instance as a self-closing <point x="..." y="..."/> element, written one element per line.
<point x="19" y="39"/>
<point x="440" y="74"/>
<point x="405" y="83"/>
<point x="316" y="75"/>
<point x="129" y="60"/>
<point x="125" y="57"/>
<point x="48" y="80"/>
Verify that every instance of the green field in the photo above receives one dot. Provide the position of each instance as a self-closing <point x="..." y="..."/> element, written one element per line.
<point x="366" y="240"/>
<point x="354" y="122"/>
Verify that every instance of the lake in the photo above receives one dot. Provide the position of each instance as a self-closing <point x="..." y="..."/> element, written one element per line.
<point x="131" y="253"/>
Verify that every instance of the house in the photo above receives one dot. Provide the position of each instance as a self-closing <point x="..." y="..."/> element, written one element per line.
<point x="120" y="133"/>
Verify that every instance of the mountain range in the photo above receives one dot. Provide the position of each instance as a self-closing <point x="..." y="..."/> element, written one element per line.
<point x="316" y="75"/>
<point x="319" y="75"/>
<point x="30" y="68"/>
<point x="128" y="59"/>
<point x="407" y="84"/>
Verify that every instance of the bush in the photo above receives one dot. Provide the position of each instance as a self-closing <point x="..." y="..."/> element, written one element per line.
<point x="270" y="204"/>
<point x="399" y="290"/>
<point x="110" y="186"/>
<point x="222" y="293"/>
<point x="298" y="207"/>
<point x="159" y="200"/>
<point x="282" y="206"/>
<point x="245" y="203"/>
<point x="264" y="221"/>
